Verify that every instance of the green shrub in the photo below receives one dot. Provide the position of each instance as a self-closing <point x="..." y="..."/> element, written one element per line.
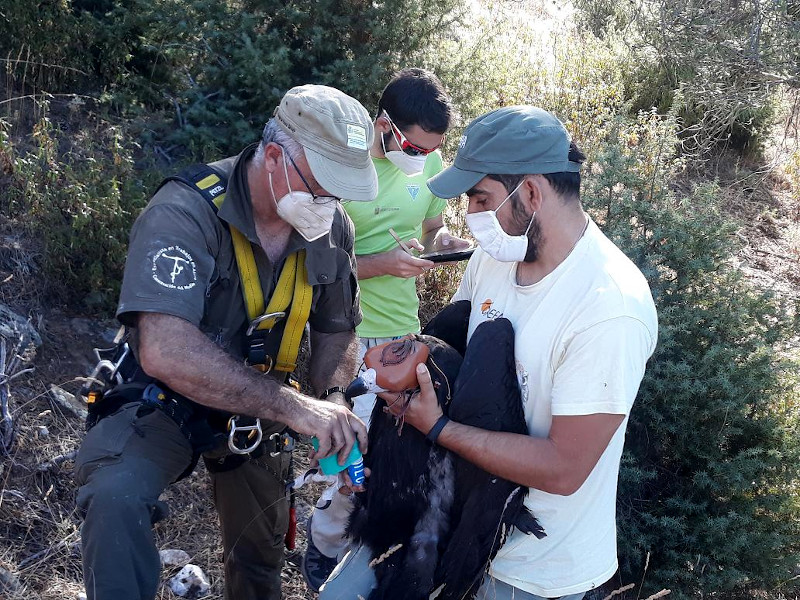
<point x="708" y="485"/>
<point x="260" y="48"/>
<point x="79" y="203"/>
<point x="729" y="58"/>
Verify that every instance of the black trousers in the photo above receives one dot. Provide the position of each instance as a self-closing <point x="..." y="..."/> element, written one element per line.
<point x="125" y="463"/>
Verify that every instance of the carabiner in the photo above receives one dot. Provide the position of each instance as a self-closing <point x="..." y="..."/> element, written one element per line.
<point x="253" y="431"/>
<point x="258" y="320"/>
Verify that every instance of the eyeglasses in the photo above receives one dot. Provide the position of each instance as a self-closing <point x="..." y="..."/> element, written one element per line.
<point x="316" y="199"/>
<point x="408" y="147"/>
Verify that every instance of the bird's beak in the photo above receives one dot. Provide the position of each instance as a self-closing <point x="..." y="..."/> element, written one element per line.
<point x="357" y="387"/>
<point x="363" y="384"/>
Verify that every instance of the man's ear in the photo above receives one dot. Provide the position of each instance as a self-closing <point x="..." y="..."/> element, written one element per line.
<point x="273" y="155"/>
<point x="382" y="124"/>
<point x="533" y="192"/>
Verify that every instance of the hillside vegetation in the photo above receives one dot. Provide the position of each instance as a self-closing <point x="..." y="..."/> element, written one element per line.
<point x="689" y="113"/>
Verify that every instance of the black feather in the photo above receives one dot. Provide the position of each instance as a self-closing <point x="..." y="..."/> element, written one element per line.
<point x="448" y="516"/>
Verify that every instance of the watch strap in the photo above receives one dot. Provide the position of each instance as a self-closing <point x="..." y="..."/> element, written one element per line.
<point x="433" y="434"/>
<point x="338" y="390"/>
<point x="332" y="390"/>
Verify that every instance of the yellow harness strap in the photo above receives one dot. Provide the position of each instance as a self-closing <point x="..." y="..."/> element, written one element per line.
<point x="292" y="288"/>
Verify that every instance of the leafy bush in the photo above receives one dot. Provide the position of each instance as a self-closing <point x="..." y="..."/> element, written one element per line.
<point x="727" y="57"/>
<point x="248" y="53"/>
<point x="708" y="485"/>
<point x="79" y="202"/>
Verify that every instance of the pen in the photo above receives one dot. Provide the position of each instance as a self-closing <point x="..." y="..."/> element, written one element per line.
<point x="402" y="244"/>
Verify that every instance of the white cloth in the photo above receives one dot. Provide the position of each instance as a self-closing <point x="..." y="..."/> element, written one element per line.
<point x="582" y="337"/>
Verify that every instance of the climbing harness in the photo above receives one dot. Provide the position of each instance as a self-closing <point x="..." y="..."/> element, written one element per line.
<point x="289" y="306"/>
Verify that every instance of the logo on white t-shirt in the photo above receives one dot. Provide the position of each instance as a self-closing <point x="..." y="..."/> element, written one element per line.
<point x="489" y="312"/>
<point x="174" y="268"/>
<point x="522" y="379"/>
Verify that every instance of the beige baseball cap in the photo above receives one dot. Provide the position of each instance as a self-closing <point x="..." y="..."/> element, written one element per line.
<point x="336" y="133"/>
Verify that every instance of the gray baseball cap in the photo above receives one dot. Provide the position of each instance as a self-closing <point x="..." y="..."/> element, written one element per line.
<point x="336" y="133"/>
<point x="514" y="140"/>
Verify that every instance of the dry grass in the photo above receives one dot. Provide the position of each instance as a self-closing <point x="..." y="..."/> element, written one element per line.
<point x="39" y="524"/>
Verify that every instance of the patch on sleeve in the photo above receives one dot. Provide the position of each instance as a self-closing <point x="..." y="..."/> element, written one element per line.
<point x="174" y="268"/>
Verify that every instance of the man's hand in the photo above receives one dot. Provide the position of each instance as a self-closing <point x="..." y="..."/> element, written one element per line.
<point x="445" y="241"/>
<point x="335" y="427"/>
<point x="423" y="409"/>
<point x="346" y="486"/>
<point x="396" y="262"/>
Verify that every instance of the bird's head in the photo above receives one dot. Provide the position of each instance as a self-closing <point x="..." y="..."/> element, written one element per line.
<point x="391" y="367"/>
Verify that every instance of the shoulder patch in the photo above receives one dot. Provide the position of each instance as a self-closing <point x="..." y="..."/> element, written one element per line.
<point x="174" y="268"/>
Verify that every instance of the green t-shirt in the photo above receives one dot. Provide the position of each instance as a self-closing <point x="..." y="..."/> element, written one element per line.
<point x="389" y="303"/>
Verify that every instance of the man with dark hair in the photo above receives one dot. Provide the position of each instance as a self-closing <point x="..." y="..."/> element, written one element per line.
<point x="210" y="256"/>
<point x="585" y="325"/>
<point x="414" y="113"/>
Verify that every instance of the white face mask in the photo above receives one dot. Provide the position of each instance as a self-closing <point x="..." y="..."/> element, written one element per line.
<point x="493" y="239"/>
<point x="410" y="165"/>
<point x="311" y="219"/>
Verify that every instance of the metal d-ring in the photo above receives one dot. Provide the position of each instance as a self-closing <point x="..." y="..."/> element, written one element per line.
<point x="253" y="430"/>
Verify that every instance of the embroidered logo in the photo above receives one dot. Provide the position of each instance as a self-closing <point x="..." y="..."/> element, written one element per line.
<point x="413" y="190"/>
<point x="462" y="142"/>
<point x="174" y="268"/>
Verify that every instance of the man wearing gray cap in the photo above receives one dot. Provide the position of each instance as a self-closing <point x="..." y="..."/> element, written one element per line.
<point x="585" y="325"/>
<point x="226" y="265"/>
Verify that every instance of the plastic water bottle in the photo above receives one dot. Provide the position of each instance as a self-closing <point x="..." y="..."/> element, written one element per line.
<point x="356" y="471"/>
<point x="354" y="463"/>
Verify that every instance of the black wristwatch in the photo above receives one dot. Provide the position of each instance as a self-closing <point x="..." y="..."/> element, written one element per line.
<point x="337" y="390"/>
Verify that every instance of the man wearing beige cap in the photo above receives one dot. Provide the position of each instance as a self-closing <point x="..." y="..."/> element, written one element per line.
<point x="227" y="264"/>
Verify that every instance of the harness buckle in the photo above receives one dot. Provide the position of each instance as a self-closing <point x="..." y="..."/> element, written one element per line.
<point x="283" y="443"/>
<point x="253" y="433"/>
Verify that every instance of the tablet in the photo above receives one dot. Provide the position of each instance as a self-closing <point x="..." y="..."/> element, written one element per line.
<point x="440" y="257"/>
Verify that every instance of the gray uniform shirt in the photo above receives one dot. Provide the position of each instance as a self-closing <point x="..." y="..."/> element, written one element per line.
<point x="181" y="262"/>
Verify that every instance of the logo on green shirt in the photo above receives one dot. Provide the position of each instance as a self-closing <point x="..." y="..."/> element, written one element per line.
<point x="413" y="190"/>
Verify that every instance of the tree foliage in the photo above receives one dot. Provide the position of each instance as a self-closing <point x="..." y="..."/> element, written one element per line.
<point x="727" y="56"/>
<point x="707" y="487"/>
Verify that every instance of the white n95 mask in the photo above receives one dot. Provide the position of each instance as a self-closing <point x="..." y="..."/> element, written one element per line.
<point x="493" y="239"/>
<point x="310" y="219"/>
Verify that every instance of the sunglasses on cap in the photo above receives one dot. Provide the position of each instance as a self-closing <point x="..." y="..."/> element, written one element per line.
<point x="406" y="146"/>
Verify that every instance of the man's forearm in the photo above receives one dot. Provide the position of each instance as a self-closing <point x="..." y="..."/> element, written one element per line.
<point x="334" y="359"/>
<point x="371" y="265"/>
<point x="178" y="354"/>
<point x="529" y="461"/>
<point x="558" y="464"/>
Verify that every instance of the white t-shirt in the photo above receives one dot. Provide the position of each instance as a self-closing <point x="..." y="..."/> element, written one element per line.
<point x="582" y="337"/>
